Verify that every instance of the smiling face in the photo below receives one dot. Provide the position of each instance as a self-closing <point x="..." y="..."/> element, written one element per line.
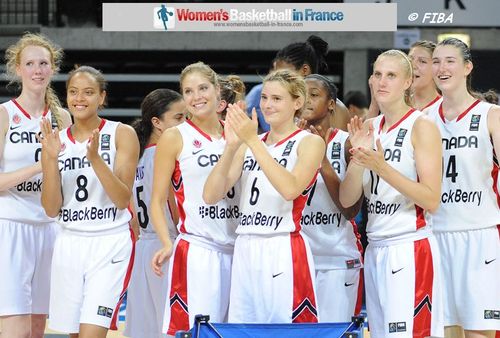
<point x="200" y="95"/>
<point x="277" y="104"/>
<point x="84" y="96"/>
<point x="319" y="104"/>
<point x="449" y="68"/>
<point x="421" y="59"/>
<point x="391" y="78"/>
<point x="35" y="68"/>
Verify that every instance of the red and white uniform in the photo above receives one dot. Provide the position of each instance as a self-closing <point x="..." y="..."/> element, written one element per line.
<point x="334" y="243"/>
<point x="147" y="292"/>
<point x="273" y="273"/>
<point x="467" y="219"/>
<point x="93" y="255"/>
<point x="27" y="235"/>
<point x="201" y="262"/>
<point x="401" y="262"/>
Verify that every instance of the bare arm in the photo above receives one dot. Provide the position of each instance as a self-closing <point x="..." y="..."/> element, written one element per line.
<point x="290" y="184"/>
<point x="117" y="183"/>
<point x="227" y="171"/>
<point x="52" y="198"/>
<point x="426" y="142"/>
<point x="351" y="188"/>
<point x="168" y="148"/>
<point x="330" y="177"/>
<point x="494" y="128"/>
<point x="332" y="182"/>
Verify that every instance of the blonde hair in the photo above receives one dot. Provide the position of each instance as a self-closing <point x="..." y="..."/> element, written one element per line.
<point x="408" y="68"/>
<point x="203" y="69"/>
<point x="292" y="82"/>
<point x="13" y="60"/>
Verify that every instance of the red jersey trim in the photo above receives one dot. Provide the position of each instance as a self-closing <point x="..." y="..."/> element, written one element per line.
<point x="405" y="116"/>
<point x="70" y="135"/>
<point x="432" y="102"/>
<point x="25" y="112"/>
<point x="459" y="117"/>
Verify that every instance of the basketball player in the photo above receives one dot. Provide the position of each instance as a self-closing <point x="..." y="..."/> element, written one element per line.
<point x="396" y="164"/>
<point x="27" y="235"/>
<point x="424" y="90"/>
<point x="466" y="224"/>
<point x="161" y="109"/>
<point x="273" y="273"/>
<point x="326" y="224"/>
<point x="200" y="267"/>
<point x="88" y="173"/>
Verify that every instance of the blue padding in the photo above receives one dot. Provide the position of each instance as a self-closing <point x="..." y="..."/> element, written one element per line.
<point x="324" y="330"/>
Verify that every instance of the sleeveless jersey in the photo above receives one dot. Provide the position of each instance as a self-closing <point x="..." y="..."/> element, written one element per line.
<point x="86" y="208"/>
<point x="469" y="196"/>
<point x="263" y="210"/>
<point x="390" y="214"/>
<point x="143" y="187"/>
<point x="332" y="237"/>
<point x="22" y="202"/>
<point x="212" y="224"/>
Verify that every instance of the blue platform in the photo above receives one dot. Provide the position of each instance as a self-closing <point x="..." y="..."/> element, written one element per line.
<point x="204" y="329"/>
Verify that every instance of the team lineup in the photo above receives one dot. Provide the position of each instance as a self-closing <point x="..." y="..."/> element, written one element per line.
<point x="247" y="208"/>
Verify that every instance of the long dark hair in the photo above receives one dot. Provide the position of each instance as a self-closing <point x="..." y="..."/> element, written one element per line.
<point x="153" y="105"/>
<point x="312" y="52"/>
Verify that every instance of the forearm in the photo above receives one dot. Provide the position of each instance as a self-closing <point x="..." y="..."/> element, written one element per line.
<point x="351" y="188"/>
<point x="332" y="182"/>
<point x="159" y="220"/>
<point x="117" y="191"/>
<point x="280" y="178"/>
<point x="51" y="187"/>
<point x="13" y="178"/>
<point x="212" y="193"/>
<point x="418" y="192"/>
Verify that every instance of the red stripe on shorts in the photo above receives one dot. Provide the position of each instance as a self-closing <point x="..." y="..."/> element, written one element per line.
<point x="359" y="300"/>
<point x="178" y="301"/>
<point x="304" y="300"/>
<point x="424" y="276"/>
<point x="126" y="281"/>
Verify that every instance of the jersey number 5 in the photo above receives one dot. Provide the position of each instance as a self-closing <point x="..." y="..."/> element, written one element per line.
<point x="142" y="217"/>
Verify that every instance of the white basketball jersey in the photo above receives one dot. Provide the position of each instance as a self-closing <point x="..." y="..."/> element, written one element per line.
<point x="86" y="208"/>
<point x="469" y="198"/>
<point x="263" y="210"/>
<point x="332" y="237"/>
<point x="390" y="214"/>
<point x="200" y="153"/>
<point x="22" y="202"/>
<point x="143" y="187"/>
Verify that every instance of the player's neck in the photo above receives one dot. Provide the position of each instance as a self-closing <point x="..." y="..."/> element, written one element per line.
<point x="33" y="103"/>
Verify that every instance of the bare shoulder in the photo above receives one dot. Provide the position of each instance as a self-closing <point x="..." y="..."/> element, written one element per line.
<point x="312" y="141"/>
<point x="4" y="120"/>
<point x="424" y="121"/>
<point x="126" y="133"/>
<point x="65" y="118"/>
<point x="170" y="141"/>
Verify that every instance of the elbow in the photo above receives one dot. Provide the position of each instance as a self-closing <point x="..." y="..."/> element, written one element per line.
<point x="290" y="195"/>
<point x="434" y="206"/>
<point x="122" y="204"/>
<point x="208" y="198"/>
<point x="51" y="212"/>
